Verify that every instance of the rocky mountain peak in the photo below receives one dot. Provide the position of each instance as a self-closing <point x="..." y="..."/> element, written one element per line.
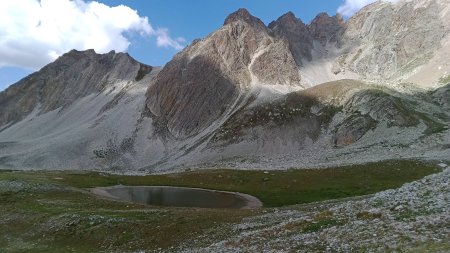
<point x="90" y="54"/>
<point x="288" y="15"/>
<point x="77" y="52"/>
<point x="74" y="55"/>
<point x="295" y="32"/>
<point x="243" y="15"/>
<point x="325" y="28"/>
<point x="203" y="82"/>
<point x="287" y="20"/>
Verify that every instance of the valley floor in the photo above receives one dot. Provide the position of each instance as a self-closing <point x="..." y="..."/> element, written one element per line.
<point x="318" y="210"/>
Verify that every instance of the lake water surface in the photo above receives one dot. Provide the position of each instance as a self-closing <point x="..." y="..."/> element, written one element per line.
<point x="178" y="197"/>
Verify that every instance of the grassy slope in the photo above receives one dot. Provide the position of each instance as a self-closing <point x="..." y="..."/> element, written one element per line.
<point x="70" y="221"/>
<point x="48" y="212"/>
<point x="279" y="188"/>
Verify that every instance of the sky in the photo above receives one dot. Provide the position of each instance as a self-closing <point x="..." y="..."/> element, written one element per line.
<point x="34" y="33"/>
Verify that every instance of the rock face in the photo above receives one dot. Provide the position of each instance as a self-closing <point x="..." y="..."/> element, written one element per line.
<point x="388" y="41"/>
<point x="242" y="97"/>
<point x="206" y="79"/>
<point x="326" y="29"/>
<point x="296" y="33"/>
<point x="365" y="110"/>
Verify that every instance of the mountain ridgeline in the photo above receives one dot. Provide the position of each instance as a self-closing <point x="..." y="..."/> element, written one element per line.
<point x="281" y="95"/>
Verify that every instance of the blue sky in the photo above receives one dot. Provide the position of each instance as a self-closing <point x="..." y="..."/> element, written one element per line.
<point x="197" y="18"/>
<point x="175" y="22"/>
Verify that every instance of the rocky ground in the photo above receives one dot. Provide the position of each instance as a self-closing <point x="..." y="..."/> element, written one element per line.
<point x="413" y="218"/>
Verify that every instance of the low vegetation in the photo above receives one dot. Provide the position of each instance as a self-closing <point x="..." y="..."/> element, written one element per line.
<point x="444" y="79"/>
<point x="273" y="188"/>
<point x="52" y="212"/>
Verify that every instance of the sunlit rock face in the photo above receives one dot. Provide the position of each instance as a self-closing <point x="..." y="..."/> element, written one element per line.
<point x="386" y="41"/>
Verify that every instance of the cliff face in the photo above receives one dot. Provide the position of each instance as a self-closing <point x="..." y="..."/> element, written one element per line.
<point x="295" y="32"/>
<point x="326" y="29"/>
<point x="207" y="78"/>
<point x="386" y="41"/>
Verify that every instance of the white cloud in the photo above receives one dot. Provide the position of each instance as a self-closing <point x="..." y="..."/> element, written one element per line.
<point x="34" y="33"/>
<point x="164" y="40"/>
<point x="350" y="7"/>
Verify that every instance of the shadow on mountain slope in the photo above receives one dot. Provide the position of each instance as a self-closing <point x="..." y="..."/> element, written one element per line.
<point x="344" y="110"/>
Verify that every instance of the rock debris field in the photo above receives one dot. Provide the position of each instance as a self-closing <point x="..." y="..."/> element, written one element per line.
<point x="413" y="218"/>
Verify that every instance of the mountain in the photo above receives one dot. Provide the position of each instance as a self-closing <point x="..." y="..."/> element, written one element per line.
<point x="58" y="116"/>
<point x="210" y="76"/>
<point x="71" y="77"/>
<point x="288" y="94"/>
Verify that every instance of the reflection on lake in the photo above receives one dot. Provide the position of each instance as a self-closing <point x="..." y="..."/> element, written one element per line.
<point x="178" y="197"/>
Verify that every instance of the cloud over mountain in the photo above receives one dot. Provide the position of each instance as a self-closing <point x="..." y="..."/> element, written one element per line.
<point x="34" y="33"/>
<point x="350" y="7"/>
